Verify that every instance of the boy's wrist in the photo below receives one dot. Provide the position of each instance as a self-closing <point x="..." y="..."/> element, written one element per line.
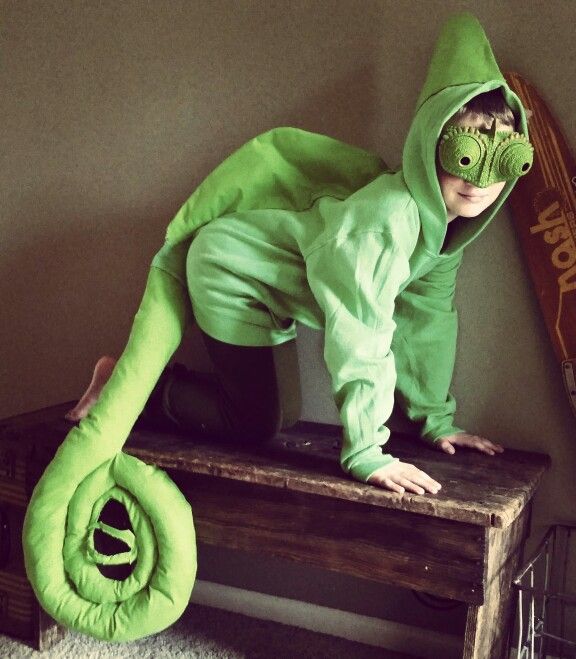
<point x="366" y="462"/>
<point x="434" y="436"/>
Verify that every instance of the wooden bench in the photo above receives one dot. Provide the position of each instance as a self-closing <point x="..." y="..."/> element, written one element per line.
<point x="292" y="501"/>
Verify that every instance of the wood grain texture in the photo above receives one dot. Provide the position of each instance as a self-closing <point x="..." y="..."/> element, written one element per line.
<point x="384" y="545"/>
<point x="477" y="489"/>
<point x="23" y="458"/>
<point x="488" y="626"/>
<point x="543" y="205"/>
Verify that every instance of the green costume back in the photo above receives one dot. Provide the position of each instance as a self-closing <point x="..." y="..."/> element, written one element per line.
<point x="380" y="279"/>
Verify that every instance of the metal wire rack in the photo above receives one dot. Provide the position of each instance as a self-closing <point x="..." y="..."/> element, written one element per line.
<point x="546" y="591"/>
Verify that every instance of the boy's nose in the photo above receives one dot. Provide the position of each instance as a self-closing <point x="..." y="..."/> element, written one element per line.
<point x="470" y="186"/>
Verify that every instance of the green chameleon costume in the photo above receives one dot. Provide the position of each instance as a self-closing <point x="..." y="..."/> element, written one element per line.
<point x="305" y="228"/>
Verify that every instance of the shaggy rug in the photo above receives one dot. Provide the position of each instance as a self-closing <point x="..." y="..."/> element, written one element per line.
<point x="207" y="633"/>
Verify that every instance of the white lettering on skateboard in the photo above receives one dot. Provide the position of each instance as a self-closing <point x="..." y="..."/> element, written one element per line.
<point x="554" y="222"/>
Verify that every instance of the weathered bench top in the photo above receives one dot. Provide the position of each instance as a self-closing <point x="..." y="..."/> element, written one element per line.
<point x="477" y="489"/>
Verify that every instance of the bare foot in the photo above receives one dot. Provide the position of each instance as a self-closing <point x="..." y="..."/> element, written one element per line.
<point x="102" y="372"/>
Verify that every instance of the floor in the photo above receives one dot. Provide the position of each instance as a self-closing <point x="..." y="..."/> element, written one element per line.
<point x="208" y="633"/>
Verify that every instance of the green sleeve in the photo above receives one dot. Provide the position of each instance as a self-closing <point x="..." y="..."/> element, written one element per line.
<point x="355" y="282"/>
<point x="424" y="348"/>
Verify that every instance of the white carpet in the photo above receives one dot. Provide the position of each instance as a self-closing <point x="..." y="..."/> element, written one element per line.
<point x="207" y="633"/>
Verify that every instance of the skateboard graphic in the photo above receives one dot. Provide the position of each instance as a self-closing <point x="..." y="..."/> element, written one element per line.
<point x="543" y="205"/>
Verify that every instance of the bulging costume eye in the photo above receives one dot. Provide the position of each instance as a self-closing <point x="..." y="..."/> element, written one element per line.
<point x="460" y="150"/>
<point x="514" y="157"/>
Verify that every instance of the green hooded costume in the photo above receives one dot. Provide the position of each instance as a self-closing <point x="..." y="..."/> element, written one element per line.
<point x="315" y="231"/>
<point x="371" y="268"/>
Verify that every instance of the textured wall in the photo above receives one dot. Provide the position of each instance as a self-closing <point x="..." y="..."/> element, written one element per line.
<point x="112" y="111"/>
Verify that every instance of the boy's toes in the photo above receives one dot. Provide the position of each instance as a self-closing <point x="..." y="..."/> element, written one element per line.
<point x="102" y="372"/>
<point x="81" y="409"/>
<point x="76" y="414"/>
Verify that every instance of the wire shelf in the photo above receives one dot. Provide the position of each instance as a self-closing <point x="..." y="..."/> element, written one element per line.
<point x="546" y="592"/>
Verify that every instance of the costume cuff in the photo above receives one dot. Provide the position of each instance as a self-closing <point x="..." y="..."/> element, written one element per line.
<point x="364" y="463"/>
<point x="435" y="435"/>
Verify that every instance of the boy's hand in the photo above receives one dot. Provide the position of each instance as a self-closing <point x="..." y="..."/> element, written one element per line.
<point x="482" y="444"/>
<point x="400" y="476"/>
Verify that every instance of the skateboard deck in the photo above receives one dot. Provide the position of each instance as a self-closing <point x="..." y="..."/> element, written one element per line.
<point x="543" y="205"/>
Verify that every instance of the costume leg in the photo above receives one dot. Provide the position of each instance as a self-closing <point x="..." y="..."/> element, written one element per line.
<point x="243" y="398"/>
<point x="240" y="401"/>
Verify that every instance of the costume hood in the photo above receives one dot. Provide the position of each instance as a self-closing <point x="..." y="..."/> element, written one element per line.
<point x="461" y="67"/>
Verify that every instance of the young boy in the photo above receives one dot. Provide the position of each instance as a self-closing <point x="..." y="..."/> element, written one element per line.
<point x="371" y="261"/>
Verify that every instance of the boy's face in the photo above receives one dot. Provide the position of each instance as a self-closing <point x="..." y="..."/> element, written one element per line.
<point x="463" y="199"/>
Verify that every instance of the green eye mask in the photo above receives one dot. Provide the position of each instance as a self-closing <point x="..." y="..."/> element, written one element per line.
<point x="484" y="158"/>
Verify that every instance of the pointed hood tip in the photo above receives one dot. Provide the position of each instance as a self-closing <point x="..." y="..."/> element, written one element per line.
<point x="462" y="55"/>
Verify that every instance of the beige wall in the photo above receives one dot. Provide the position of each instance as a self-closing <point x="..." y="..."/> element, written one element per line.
<point x="112" y="111"/>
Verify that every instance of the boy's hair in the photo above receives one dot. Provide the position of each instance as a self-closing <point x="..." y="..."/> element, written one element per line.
<point x="490" y="105"/>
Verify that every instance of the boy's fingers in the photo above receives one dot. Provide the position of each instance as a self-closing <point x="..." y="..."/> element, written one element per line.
<point x="485" y="449"/>
<point x="447" y="447"/>
<point x="471" y="441"/>
<point x="403" y="485"/>
<point x="405" y="477"/>
<point x="486" y="446"/>
<point x="420" y="483"/>
<point x="496" y="447"/>
<point x="390" y="485"/>
<point x="411" y="486"/>
<point x="411" y="473"/>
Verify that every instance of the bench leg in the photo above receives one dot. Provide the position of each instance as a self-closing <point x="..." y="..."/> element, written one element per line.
<point x="49" y="632"/>
<point x="488" y="627"/>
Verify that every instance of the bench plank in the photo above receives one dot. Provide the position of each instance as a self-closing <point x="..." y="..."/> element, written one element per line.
<point x="479" y="489"/>
<point x="383" y="545"/>
<point x="476" y="488"/>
